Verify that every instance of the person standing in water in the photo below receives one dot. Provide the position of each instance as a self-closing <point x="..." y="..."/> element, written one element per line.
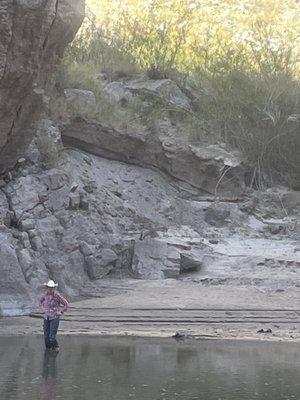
<point x="54" y="305"/>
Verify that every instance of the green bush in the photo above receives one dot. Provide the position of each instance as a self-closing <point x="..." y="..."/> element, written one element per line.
<point x="258" y="116"/>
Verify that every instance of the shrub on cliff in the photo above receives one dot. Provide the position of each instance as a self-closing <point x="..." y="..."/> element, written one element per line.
<point x="258" y="115"/>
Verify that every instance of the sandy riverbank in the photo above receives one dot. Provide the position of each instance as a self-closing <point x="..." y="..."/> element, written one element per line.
<point x="162" y="308"/>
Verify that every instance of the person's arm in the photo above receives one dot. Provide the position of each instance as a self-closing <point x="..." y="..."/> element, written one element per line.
<point x="62" y="302"/>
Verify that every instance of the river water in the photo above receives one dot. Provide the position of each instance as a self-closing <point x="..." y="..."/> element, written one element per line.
<point x="91" y="368"/>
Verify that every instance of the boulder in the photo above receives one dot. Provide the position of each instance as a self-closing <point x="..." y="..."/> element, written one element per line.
<point x="154" y="259"/>
<point x="33" y="36"/>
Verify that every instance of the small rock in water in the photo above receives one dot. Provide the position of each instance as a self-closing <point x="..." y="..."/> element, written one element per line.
<point x="180" y="335"/>
<point x="264" y="330"/>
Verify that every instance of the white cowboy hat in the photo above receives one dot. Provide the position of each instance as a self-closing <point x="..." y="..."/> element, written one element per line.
<point x="51" y="284"/>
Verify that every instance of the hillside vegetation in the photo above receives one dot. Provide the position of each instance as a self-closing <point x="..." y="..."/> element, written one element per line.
<point x="238" y="59"/>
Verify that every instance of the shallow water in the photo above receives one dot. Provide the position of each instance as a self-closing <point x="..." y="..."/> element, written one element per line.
<point x="90" y="368"/>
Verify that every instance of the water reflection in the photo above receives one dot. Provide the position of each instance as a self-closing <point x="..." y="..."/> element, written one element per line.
<point x="49" y="374"/>
<point x="122" y="369"/>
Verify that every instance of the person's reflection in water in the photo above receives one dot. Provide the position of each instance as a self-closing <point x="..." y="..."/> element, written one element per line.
<point x="49" y="390"/>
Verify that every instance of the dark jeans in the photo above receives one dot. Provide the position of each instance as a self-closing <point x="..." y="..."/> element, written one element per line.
<point x="50" y="331"/>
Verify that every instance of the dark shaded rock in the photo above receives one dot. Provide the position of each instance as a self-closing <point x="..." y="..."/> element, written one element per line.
<point x="189" y="264"/>
<point x="33" y="36"/>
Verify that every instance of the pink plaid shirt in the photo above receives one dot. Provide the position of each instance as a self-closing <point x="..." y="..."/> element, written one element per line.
<point x="53" y="304"/>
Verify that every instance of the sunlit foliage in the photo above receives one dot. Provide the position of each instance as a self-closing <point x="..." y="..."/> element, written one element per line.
<point x="212" y="35"/>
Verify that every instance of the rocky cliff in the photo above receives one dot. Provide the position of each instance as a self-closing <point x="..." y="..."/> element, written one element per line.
<point x="90" y="202"/>
<point x="137" y="197"/>
<point x="33" y="36"/>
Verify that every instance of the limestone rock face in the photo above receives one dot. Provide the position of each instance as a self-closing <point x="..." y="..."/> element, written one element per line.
<point x="33" y="36"/>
